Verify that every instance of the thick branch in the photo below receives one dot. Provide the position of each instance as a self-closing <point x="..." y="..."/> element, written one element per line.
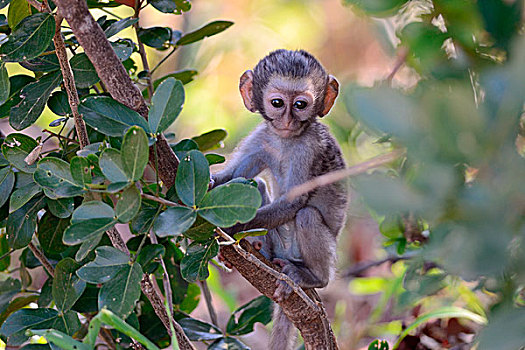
<point x="114" y="76"/>
<point x="305" y="311"/>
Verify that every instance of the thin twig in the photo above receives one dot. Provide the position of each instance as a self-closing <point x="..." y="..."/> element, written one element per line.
<point x="42" y="258"/>
<point x="358" y="269"/>
<point x="400" y="61"/>
<point x="164" y="59"/>
<point x="209" y="303"/>
<point x="60" y="136"/>
<point x="160" y="200"/>
<point x="36" y="4"/>
<point x="142" y="52"/>
<point x="165" y="277"/>
<point x="339" y="175"/>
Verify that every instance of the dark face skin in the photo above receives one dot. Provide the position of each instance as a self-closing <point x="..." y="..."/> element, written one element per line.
<point x="289" y="104"/>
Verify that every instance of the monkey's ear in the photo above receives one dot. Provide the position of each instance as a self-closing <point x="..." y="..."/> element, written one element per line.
<point x="246" y="88"/>
<point x="332" y="90"/>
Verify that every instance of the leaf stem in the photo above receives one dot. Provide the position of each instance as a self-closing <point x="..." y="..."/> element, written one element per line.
<point x="164" y="59"/>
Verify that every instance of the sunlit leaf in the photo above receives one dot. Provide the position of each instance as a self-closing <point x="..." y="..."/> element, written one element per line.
<point x="17" y="11"/>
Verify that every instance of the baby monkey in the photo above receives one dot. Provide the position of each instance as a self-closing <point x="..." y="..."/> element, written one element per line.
<point x="290" y="89"/>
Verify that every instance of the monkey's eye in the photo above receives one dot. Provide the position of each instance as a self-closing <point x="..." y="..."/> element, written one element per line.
<point x="300" y="104"/>
<point x="277" y="103"/>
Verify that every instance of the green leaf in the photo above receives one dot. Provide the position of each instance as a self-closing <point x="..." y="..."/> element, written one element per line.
<point x="80" y="171"/>
<point x="201" y="231"/>
<point x="61" y="208"/>
<point x="110" y="117"/>
<point x="135" y="158"/>
<point x="392" y="226"/>
<point x="16" y="325"/>
<point x="166" y="105"/>
<point x="193" y="177"/>
<point x="34" y="99"/>
<point x="443" y="312"/>
<point x="17" y="11"/>
<point x="29" y="38"/>
<point x="87" y="246"/>
<point x="58" y="103"/>
<point x="198" y="330"/>
<point x="120" y="294"/>
<point x="7" y="182"/>
<point x="171" y="6"/>
<point x="16" y="83"/>
<point x="379" y="345"/>
<point x="194" y="265"/>
<point x="185" y="76"/>
<point x="9" y="287"/>
<point x="107" y="263"/>
<point x="227" y="343"/>
<point x="128" y="204"/>
<point x="213" y="158"/>
<point x="4" y="3"/>
<point x="504" y="331"/>
<point x="61" y="340"/>
<point x="174" y="221"/>
<point x="50" y="232"/>
<point x="210" y="140"/>
<point x="143" y="220"/>
<point x="230" y="203"/>
<point x="5" y="261"/>
<point x="183" y="146"/>
<point x="67" y="287"/>
<point x="86" y="230"/>
<point x="208" y="30"/>
<point x="4" y="84"/>
<point x="83" y="70"/>
<point x="21" y="224"/>
<point x="54" y="175"/>
<point x="243" y="319"/>
<point x="22" y="195"/>
<point x="96" y="212"/>
<point x="378" y="8"/>
<point x="119" y="26"/>
<point x="110" y="163"/>
<point x="157" y="37"/>
<point x="45" y="63"/>
<point x="15" y="148"/>
<point x="148" y="254"/>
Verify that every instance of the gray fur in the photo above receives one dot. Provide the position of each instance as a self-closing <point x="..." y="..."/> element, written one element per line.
<point x="302" y="233"/>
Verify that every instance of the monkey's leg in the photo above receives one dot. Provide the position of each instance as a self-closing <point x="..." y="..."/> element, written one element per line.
<point x="283" y="332"/>
<point x="262" y="243"/>
<point x="317" y="246"/>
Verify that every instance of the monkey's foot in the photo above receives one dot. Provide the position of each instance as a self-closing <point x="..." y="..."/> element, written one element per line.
<point x="224" y="261"/>
<point x="283" y="288"/>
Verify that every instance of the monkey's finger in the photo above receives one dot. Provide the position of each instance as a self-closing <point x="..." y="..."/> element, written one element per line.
<point x="224" y="261"/>
<point x="257" y="245"/>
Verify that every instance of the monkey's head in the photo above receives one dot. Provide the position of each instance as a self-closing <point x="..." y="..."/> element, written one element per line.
<point x="290" y="89"/>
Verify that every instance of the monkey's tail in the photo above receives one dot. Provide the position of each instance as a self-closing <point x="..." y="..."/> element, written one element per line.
<point x="283" y="332"/>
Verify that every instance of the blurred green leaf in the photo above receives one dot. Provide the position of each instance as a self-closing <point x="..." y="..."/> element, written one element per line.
<point x="504" y="331"/>
<point x="193" y="177"/>
<point x="109" y="116"/>
<point x="30" y="37"/>
<point x="135" y="158"/>
<point x="502" y="19"/>
<point x="207" y="30"/>
<point x="185" y="76"/>
<point x="120" y="294"/>
<point x="16" y="325"/>
<point x="174" y="221"/>
<point x="171" y="6"/>
<point x="242" y="320"/>
<point x="210" y="140"/>
<point x="108" y="262"/>
<point x="166" y="105"/>
<point x="378" y="345"/>
<point x="61" y="340"/>
<point x="54" y="175"/>
<point x="194" y="265"/>
<point x="213" y="158"/>
<point x="227" y="343"/>
<point x="230" y="203"/>
<point x="378" y="8"/>
<point x="67" y="287"/>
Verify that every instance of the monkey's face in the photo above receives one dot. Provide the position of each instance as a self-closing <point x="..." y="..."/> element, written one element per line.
<point x="289" y="105"/>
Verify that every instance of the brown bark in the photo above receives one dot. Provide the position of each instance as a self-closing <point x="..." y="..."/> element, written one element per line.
<point x="304" y="310"/>
<point x="115" y="78"/>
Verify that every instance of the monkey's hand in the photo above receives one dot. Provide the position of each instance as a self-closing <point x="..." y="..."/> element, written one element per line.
<point x="283" y="288"/>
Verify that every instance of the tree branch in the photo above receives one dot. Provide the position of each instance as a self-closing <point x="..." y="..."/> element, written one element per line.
<point x="303" y="308"/>
<point x="339" y="175"/>
<point x="114" y="76"/>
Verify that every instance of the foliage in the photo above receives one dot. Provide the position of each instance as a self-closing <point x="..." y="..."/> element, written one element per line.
<point x="70" y="197"/>
<point x="457" y="200"/>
